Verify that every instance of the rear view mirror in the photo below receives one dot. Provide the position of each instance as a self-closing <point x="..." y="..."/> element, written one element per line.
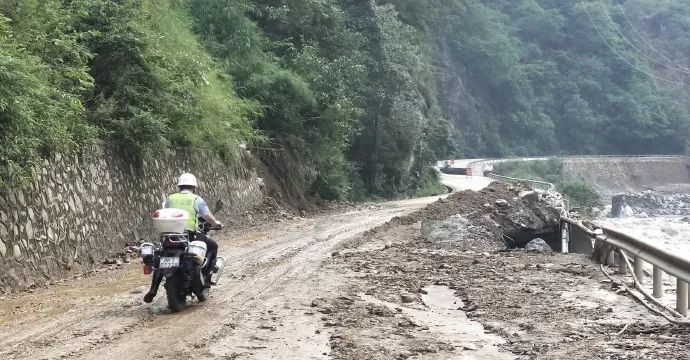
<point x="219" y="206"/>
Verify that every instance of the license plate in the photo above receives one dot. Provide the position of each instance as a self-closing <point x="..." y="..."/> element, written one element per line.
<point x="169" y="262"/>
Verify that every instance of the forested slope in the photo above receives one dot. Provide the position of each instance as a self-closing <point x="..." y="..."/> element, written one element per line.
<point x="527" y="77"/>
<point x="342" y="98"/>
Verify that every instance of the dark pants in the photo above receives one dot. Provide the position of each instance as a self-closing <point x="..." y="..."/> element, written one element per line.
<point x="211" y="251"/>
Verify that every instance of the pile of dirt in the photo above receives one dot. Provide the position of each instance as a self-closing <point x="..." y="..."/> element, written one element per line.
<point x="463" y="203"/>
<point x="544" y="305"/>
<point x="511" y="215"/>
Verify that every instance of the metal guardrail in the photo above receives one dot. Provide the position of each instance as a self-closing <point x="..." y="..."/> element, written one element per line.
<point x="542" y="185"/>
<point x="607" y="244"/>
<point x="477" y="166"/>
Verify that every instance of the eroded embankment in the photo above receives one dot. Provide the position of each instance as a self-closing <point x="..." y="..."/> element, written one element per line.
<point x="612" y="176"/>
<point x="505" y="303"/>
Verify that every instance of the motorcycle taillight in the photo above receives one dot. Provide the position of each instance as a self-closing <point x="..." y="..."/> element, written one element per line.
<point x="170" y="244"/>
<point x="147" y="269"/>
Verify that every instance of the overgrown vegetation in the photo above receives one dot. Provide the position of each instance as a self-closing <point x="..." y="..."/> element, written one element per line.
<point x="341" y="98"/>
<point x="580" y="194"/>
<point x="548" y="170"/>
<point x="536" y="77"/>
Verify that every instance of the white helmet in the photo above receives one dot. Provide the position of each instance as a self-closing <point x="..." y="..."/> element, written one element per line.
<point x="187" y="180"/>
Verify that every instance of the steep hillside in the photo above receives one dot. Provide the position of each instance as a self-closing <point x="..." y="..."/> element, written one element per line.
<point x="340" y="98"/>
<point x="534" y="77"/>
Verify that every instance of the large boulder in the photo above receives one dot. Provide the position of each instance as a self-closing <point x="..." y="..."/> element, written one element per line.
<point x="529" y="196"/>
<point x="460" y="233"/>
<point x="538" y="245"/>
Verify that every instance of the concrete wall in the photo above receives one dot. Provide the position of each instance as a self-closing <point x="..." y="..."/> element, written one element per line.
<point x="79" y="211"/>
<point x="616" y="175"/>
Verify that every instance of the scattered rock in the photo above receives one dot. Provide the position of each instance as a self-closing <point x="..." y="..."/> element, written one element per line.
<point x="407" y="323"/>
<point x="407" y="298"/>
<point x="379" y="310"/>
<point x="538" y="245"/>
<point x="502" y="203"/>
<point x="529" y="196"/>
<point x="267" y="327"/>
<point x="326" y="310"/>
<point x="470" y="347"/>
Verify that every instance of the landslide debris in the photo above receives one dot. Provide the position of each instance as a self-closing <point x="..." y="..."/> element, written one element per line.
<point x="499" y="217"/>
<point x="540" y="304"/>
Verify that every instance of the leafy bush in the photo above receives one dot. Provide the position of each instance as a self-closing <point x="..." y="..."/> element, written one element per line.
<point x="541" y="170"/>
<point x="155" y="85"/>
<point x="581" y="194"/>
<point x="132" y="70"/>
<point x="37" y="116"/>
<point x="429" y="184"/>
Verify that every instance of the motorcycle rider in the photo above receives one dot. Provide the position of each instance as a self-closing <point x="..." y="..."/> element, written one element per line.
<point x="187" y="200"/>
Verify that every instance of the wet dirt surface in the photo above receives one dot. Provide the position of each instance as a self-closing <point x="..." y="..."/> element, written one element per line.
<point x="522" y="305"/>
<point x="344" y="285"/>
<point x="262" y="308"/>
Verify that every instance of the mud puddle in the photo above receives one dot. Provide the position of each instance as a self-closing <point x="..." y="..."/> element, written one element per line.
<point x="441" y="314"/>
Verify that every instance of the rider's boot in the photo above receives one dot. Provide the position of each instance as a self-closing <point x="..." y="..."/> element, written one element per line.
<point x="153" y="290"/>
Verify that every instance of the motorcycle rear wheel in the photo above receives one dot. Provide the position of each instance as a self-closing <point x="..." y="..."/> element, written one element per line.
<point x="177" y="299"/>
<point x="199" y="285"/>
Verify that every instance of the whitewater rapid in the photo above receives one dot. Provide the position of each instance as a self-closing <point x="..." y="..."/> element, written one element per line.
<point x="671" y="233"/>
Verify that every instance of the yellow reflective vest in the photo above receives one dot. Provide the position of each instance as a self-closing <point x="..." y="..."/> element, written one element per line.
<point x="185" y="201"/>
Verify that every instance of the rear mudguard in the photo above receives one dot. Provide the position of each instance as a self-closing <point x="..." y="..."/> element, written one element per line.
<point x="189" y="272"/>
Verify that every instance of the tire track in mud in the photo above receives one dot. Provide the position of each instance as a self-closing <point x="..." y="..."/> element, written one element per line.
<point x="278" y="264"/>
<point x="269" y="269"/>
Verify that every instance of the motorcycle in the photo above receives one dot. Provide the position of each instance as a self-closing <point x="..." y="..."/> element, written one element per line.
<point x="179" y="259"/>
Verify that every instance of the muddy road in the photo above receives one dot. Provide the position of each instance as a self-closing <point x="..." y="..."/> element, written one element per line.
<point x="350" y="284"/>
<point x="261" y="309"/>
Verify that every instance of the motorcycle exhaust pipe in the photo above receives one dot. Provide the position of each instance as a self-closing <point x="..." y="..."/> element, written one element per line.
<point x="220" y="264"/>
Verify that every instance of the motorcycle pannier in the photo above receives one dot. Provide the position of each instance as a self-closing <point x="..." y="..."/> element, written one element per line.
<point x="198" y="248"/>
<point x="167" y="221"/>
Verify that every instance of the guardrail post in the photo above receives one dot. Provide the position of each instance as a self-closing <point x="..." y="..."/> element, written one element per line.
<point x="598" y="249"/>
<point x="682" y="297"/>
<point x="610" y="256"/>
<point x="658" y="282"/>
<point x="622" y="266"/>
<point x="638" y="269"/>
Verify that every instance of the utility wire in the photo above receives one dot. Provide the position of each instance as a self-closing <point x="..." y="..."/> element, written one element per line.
<point x="644" y="38"/>
<point x="596" y="28"/>
<point x="634" y="46"/>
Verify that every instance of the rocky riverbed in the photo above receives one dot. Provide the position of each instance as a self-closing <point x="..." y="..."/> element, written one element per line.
<point x="650" y="203"/>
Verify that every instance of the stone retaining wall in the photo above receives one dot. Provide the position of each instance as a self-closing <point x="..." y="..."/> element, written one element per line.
<point x="615" y="175"/>
<point x="78" y="211"/>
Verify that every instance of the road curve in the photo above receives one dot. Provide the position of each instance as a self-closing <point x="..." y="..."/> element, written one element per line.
<point x="271" y="278"/>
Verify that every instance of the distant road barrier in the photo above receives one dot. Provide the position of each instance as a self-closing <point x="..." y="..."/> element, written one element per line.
<point x="477" y="167"/>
